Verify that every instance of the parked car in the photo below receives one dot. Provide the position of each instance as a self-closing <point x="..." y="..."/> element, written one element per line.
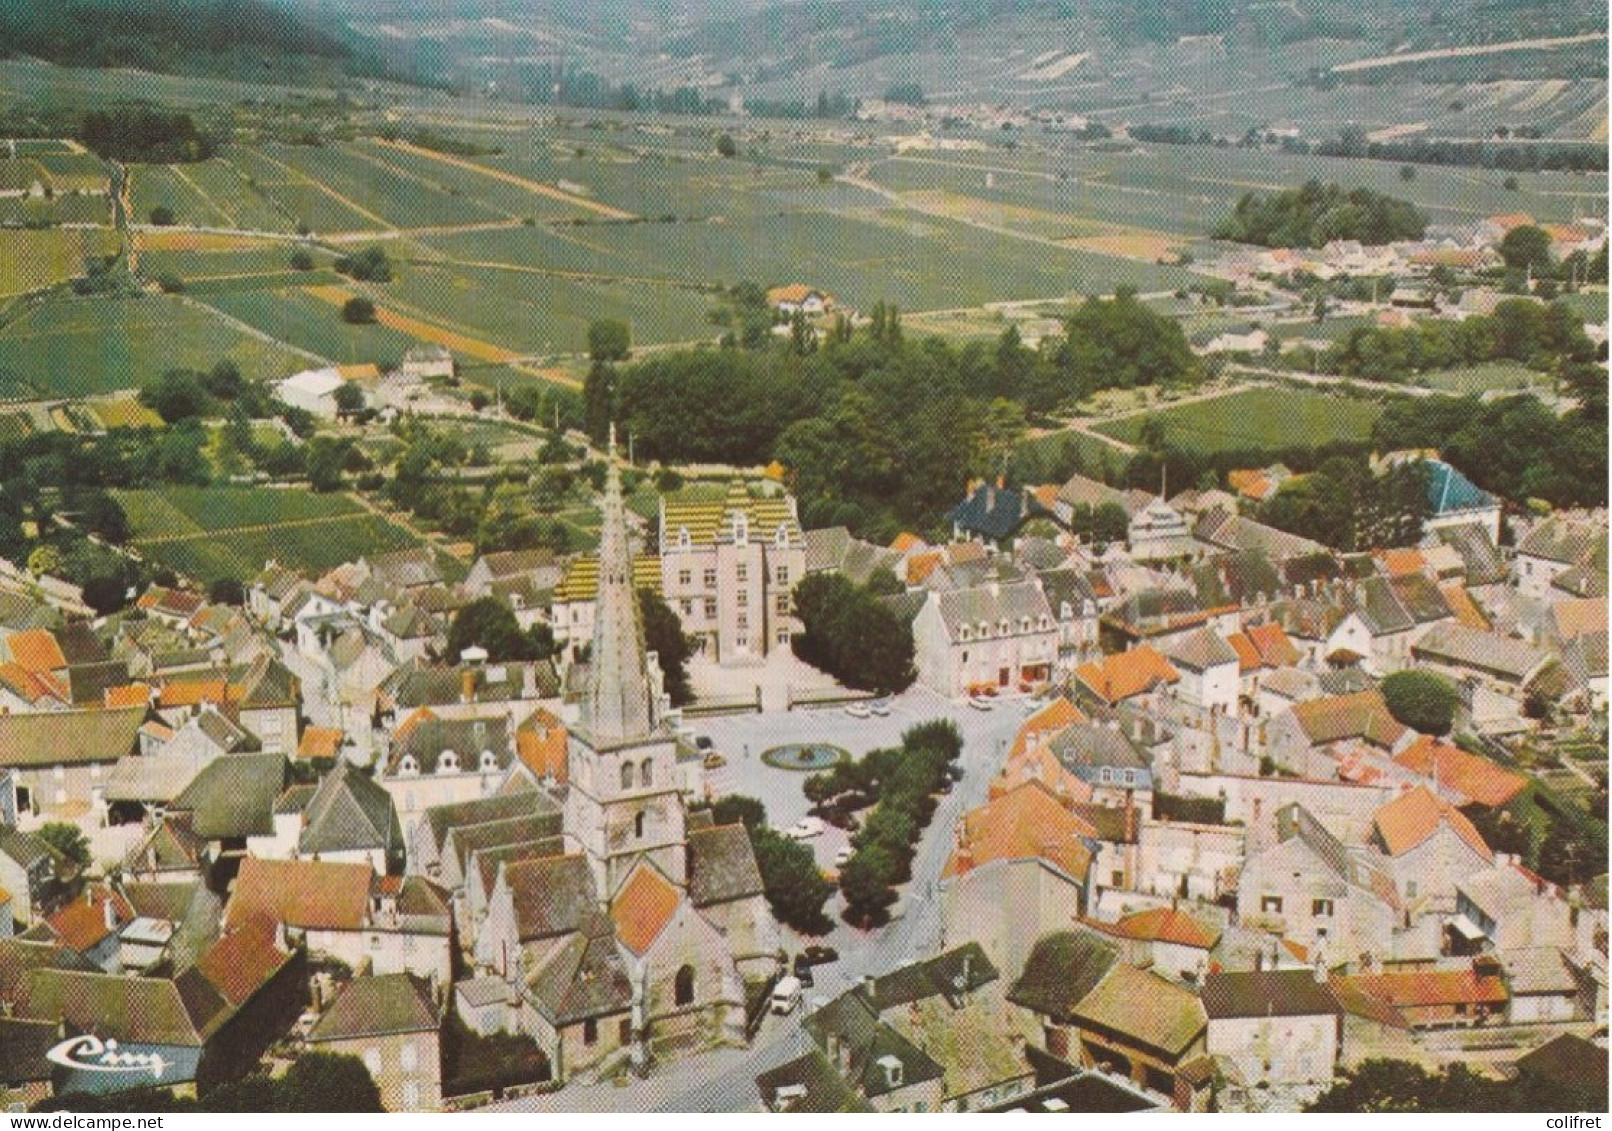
<point x="817" y="954"/>
<point x="843" y="855"/>
<point x="803" y="970"/>
<point x="858" y="710"/>
<point x="980" y="703"/>
<point x="786" y="994"/>
<point x="880" y="706"/>
<point x="806" y="828"/>
<point x="715" y="761"/>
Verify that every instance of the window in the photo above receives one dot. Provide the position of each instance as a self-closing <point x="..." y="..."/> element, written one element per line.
<point x="710" y="579"/>
<point x="741" y="642"/>
<point x="744" y="621"/>
<point x="741" y="572"/>
<point x="408" y="765"/>
<point x="783" y="636"/>
<point x="1321" y="907"/>
<point x="1117" y="879"/>
<point x="685" y="577"/>
<point x="683" y="986"/>
<point x="646" y="772"/>
<point x="638" y="826"/>
<point x="590" y="1031"/>
<point x="448" y="763"/>
<point x="1410" y="889"/>
<point x="1271" y="904"/>
<point x="744" y="598"/>
<point x="626" y="775"/>
<point x="1105" y="775"/>
<point x="686" y="607"/>
<point x="710" y="608"/>
<point x="783" y="604"/>
<point x="965" y="635"/>
<point x="782" y="573"/>
<point x="59" y="773"/>
<point x="1130" y="777"/>
<point x="409" y="1056"/>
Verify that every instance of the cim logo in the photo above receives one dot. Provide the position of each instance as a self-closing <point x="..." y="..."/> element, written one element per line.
<point x="90" y="1054"/>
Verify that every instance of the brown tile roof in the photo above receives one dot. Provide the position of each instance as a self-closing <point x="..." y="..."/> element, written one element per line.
<point x="1144" y="1007"/>
<point x="1475" y="778"/>
<point x="81" y="924"/>
<point x="1124" y="674"/>
<point x="1401" y="563"/>
<point x="129" y="695"/>
<point x="25" y="684"/>
<point x="192" y="692"/>
<point x="36" y="650"/>
<point x="643" y="907"/>
<point x="307" y="894"/>
<point x="1361" y="715"/>
<point x="1464" y="607"/>
<point x="541" y="743"/>
<point x="905" y="541"/>
<point x="1040" y="764"/>
<point x="242" y="962"/>
<point x="379" y="1006"/>
<point x="1411" y="989"/>
<point x="1251" y="483"/>
<point x="1266" y="993"/>
<point x="320" y="742"/>
<point x="1054" y="717"/>
<point x="1027" y="823"/>
<point x="1577" y="617"/>
<point x="1163" y="924"/>
<point x="1415" y="815"/>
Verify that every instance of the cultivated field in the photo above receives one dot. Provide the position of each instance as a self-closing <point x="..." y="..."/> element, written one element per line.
<point x="1255" y="418"/>
<point x="72" y="347"/>
<point x="212" y="532"/>
<point x="33" y="259"/>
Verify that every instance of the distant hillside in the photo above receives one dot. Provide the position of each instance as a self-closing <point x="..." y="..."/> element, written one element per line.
<point x="241" y="38"/>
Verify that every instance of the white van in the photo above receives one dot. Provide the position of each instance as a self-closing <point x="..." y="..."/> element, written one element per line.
<point x="786" y="994"/>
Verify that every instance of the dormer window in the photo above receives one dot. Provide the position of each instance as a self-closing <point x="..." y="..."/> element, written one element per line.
<point x="782" y="537"/>
<point x="408" y="765"/>
<point x="741" y="527"/>
<point x="448" y="763"/>
<point x="1024" y="624"/>
<point x="1002" y="627"/>
<point x="966" y="634"/>
<point x="489" y="761"/>
<point x="684" y="539"/>
<point x="984" y="630"/>
<point x="1046" y="622"/>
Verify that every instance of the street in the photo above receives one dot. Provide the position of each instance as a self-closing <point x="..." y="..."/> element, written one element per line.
<point x="724" y="1079"/>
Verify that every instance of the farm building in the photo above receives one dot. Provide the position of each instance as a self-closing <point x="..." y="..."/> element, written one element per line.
<point x="798" y="298"/>
<point x="315" y="389"/>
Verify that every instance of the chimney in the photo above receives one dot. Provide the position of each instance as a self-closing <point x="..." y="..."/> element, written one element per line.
<point x="110" y="912"/>
<point x="467" y="686"/>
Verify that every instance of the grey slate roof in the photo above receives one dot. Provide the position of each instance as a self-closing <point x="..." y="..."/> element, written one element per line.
<point x="721" y="865"/>
<point x="1504" y="656"/>
<point x="498" y="807"/>
<point x="349" y="812"/>
<point x="69" y="738"/>
<point x="1063" y="968"/>
<point x="968" y="608"/>
<point x="852" y="1020"/>
<point x="825" y="548"/>
<point x="1200" y="650"/>
<point x="25" y="848"/>
<point x="1266" y="993"/>
<point x="529" y="826"/>
<point x="1479" y="555"/>
<point x="1561" y="540"/>
<point x="234" y="795"/>
<point x="586" y="975"/>
<point x="405" y="568"/>
<point x="431" y="737"/>
<point x="379" y="1006"/>
<point x="1092" y="744"/>
<point x="552" y="897"/>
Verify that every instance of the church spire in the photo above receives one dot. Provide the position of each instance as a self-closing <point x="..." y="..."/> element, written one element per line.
<point x="618" y="701"/>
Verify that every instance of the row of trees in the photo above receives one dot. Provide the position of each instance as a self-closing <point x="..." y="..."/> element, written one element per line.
<point x="1344" y="505"/>
<point x="906" y="780"/>
<point x="1315" y="214"/>
<point x="1404" y="1086"/>
<point x="1548" y="337"/>
<point x="142" y="134"/>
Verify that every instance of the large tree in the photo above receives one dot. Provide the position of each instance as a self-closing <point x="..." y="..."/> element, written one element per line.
<point x="663" y="635"/>
<point x="490" y="624"/>
<point x="852" y="635"/>
<point x="1421" y="700"/>
<point x="1527" y="248"/>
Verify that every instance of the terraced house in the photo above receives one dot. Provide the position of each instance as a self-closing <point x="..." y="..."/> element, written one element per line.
<point x="728" y="569"/>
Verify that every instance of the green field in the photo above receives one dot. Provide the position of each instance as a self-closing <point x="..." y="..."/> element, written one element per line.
<point x="369" y="180"/>
<point x="33" y="259"/>
<point x="312" y="324"/>
<point x="154" y="186"/>
<point x="71" y="347"/>
<point x="181" y="528"/>
<point x="1255" y="418"/>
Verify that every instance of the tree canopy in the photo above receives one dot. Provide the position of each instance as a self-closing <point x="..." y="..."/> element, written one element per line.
<point x="1421" y="700"/>
<point x="1315" y="214"/>
<point x="490" y="624"/>
<point x="852" y="635"/>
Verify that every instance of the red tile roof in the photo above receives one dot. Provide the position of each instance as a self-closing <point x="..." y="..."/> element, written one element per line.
<point x="36" y="650"/>
<point x="320" y="742"/>
<point x="1411" y="989"/>
<point x="1474" y="778"/>
<point x="1049" y="720"/>
<point x="192" y="692"/>
<point x="1162" y="924"/>
<point x="129" y="695"/>
<point x="308" y="894"/>
<point x="1401" y="563"/>
<point x="1025" y="824"/>
<point x="1119" y="676"/>
<point x="643" y="907"/>
<point x="1415" y="815"/>
<point x="905" y="541"/>
<point x="240" y="963"/>
<point x="82" y="923"/>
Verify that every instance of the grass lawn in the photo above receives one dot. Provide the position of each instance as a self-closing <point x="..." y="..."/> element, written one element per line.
<point x="1483" y="377"/>
<point x="1256" y="418"/>
<point x="71" y="347"/>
